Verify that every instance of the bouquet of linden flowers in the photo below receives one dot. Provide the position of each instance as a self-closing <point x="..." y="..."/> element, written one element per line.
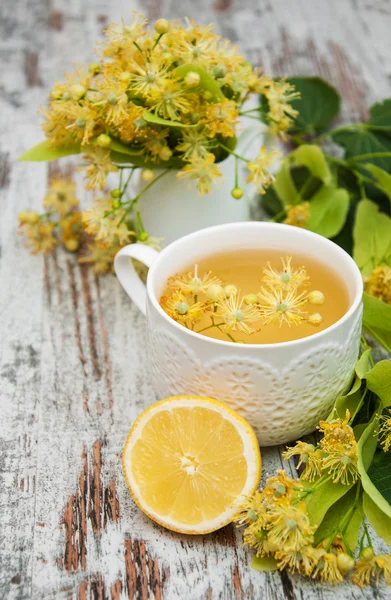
<point x="170" y="98"/>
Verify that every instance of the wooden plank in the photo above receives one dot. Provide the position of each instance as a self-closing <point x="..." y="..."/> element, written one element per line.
<point x="74" y="368"/>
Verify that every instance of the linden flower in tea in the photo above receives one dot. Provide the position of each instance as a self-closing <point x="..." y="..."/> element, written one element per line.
<point x="255" y="297"/>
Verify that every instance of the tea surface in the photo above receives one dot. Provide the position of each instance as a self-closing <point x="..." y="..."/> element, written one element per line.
<point x="245" y="270"/>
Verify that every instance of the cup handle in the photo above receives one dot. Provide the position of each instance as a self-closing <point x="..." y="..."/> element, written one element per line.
<point x="127" y="275"/>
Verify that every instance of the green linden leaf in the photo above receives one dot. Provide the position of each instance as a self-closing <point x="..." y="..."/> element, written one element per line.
<point x="118" y="146"/>
<point x="379" y="381"/>
<point x="377" y="314"/>
<point x="380" y="114"/>
<point x="382" y="178"/>
<point x="328" y="211"/>
<point x="380" y="473"/>
<point x="312" y="157"/>
<point x="362" y="140"/>
<point x="380" y="522"/>
<point x="363" y="365"/>
<point x="318" y="105"/>
<point x="155" y="120"/>
<point x="264" y="564"/>
<point x="349" y="401"/>
<point x="336" y="515"/>
<point x="366" y="449"/>
<point x="372" y="237"/>
<point x="319" y="502"/>
<point x="284" y="186"/>
<point x="46" y="152"/>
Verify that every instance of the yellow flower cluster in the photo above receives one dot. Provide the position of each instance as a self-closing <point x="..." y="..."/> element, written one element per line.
<point x="336" y="453"/>
<point x="172" y="96"/>
<point x="61" y="221"/>
<point x="279" y="301"/>
<point x="297" y="215"/>
<point x="97" y="234"/>
<point x="385" y="431"/>
<point x="378" y="284"/>
<point x="277" y="525"/>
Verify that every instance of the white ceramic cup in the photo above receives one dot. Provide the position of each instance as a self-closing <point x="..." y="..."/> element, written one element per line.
<point x="282" y="389"/>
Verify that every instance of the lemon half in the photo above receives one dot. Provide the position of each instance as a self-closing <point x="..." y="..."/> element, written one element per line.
<point x="189" y="462"/>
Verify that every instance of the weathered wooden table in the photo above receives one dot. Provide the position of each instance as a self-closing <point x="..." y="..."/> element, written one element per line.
<point x="73" y="365"/>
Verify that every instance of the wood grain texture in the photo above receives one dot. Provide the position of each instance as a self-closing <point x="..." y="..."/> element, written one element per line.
<point x="73" y="364"/>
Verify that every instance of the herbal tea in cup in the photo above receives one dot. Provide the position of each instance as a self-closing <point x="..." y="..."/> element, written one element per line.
<point x="256" y="296"/>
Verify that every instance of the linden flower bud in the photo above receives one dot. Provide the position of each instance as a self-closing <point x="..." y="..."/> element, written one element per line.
<point x="103" y="140"/>
<point x="230" y="290"/>
<point x="237" y="193"/>
<point x="143" y="237"/>
<point x="315" y="319"/>
<point x="115" y="193"/>
<point x="116" y="203"/>
<point x="192" y="79"/>
<point x="367" y="553"/>
<point x="215" y="292"/>
<point x="251" y="299"/>
<point x="219" y="71"/>
<point x="161" y="26"/>
<point x="147" y="175"/>
<point x="316" y="297"/>
<point x="94" y="68"/>
<point x="345" y="562"/>
<point x="28" y="217"/>
<point x="72" y="244"/>
<point x="56" y="94"/>
<point x="125" y="76"/>
<point x="77" y="91"/>
<point x="165" y="153"/>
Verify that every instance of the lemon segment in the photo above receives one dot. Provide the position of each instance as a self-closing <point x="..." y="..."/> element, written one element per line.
<point x="189" y="462"/>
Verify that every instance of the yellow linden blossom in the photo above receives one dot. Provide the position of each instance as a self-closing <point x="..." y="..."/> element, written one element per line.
<point x="71" y="228"/>
<point x="252" y="511"/>
<point x="123" y="36"/>
<point x="171" y="102"/>
<point x="379" y="283"/>
<point x="287" y="277"/>
<point x="236" y="314"/>
<point x="178" y="308"/>
<point x="82" y="121"/>
<point x="260" y="174"/>
<point x="282" y="306"/>
<point x="326" y="568"/>
<point x="204" y="170"/>
<point x="61" y="195"/>
<point x="191" y="283"/>
<point x="281" y="113"/>
<point x="112" y="99"/>
<point x="39" y="236"/>
<point x="385" y="431"/>
<point x="149" y="78"/>
<point x="98" y="167"/>
<point x="340" y="450"/>
<point x="297" y="215"/>
<point x="194" y="145"/>
<point x="280" y="488"/>
<point x="104" y="224"/>
<point x="221" y="117"/>
<point x="302" y="560"/>
<point x="371" y="567"/>
<point x="289" y="527"/>
<point x="100" y="257"/>
<point x="309" y="458"/>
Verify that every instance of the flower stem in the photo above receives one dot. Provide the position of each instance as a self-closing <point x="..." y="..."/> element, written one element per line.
<point x="233" y="153"/>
